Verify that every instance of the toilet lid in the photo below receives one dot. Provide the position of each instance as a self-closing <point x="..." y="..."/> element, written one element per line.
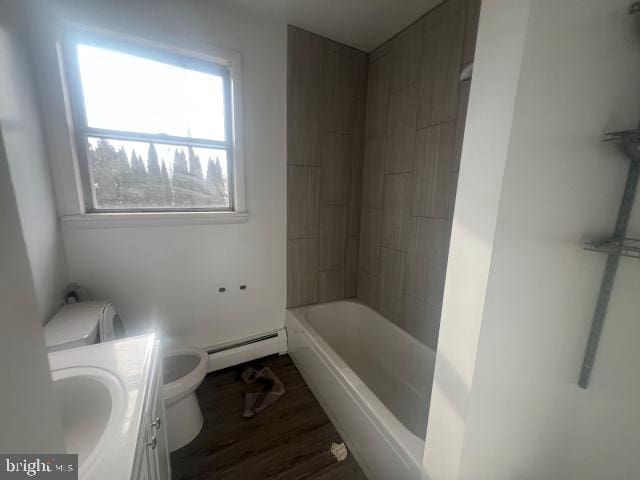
<point x="73" y="322"/>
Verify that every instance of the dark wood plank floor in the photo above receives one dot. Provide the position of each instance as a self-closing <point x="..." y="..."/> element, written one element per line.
<point x="289" y="440"/>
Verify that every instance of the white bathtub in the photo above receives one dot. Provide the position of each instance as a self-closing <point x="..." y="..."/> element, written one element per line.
<point x="373" y="380"/>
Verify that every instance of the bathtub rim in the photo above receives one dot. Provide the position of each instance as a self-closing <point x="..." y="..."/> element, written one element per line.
<point x="405" y="443"/>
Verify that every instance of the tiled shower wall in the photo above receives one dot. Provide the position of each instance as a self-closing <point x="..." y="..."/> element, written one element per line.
<point x="379" y="229"/>
<point x="416" y="108"/>
<point x="325" y="120"/>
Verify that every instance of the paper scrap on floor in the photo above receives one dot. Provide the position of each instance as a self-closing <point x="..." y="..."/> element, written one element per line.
<point x="272" y="390"/>
<point x="339" y="450"/>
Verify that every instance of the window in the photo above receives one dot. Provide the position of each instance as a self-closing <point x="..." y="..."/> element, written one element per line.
<point x="153" y="128"/>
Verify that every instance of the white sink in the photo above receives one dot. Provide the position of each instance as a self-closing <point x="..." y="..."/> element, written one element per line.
<point x="100" y="391"/>
<point x="91" y="402"/>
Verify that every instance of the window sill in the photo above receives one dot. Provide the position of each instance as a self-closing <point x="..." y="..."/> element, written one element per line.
<point x="160" y="219"/>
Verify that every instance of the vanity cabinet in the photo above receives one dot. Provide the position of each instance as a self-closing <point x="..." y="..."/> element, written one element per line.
<point x="152" y="454"/>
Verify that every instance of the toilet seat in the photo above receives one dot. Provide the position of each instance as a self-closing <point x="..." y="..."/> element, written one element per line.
<point x="111" y="326"/>
<point x="187" y="383"/>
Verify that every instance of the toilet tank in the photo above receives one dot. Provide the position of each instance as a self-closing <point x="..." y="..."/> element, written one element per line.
<point x="75" y="325"/>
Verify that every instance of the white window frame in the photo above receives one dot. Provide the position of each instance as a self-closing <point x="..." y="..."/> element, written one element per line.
<point x="88" y="217"/>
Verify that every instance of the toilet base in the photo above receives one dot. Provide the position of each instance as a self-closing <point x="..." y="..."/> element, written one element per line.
<point x="184" y="421"/>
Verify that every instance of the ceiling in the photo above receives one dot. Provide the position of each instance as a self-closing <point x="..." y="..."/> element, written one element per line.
<point x="363" y="24"/>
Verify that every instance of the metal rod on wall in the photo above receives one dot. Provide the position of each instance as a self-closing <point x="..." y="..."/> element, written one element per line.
<point x="630" y="142"/>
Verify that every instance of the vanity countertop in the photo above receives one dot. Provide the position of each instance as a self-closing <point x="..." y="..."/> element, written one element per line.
<point x="131" y="362"/>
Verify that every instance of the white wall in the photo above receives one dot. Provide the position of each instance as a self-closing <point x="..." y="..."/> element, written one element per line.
<point x="526" y="417"/>
<point x="171" y="275"/>
<point x="29" y="417"/>
<point x="29" y="166"/>
<point x="30" y="421"/>
<point x="499" y="47"/>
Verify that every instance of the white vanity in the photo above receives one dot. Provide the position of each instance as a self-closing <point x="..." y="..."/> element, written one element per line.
<point x="110" y="397"/>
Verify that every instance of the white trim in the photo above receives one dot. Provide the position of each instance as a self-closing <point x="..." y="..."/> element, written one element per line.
<point x="246" y="353"/>
<point x="151" y="219"/>
<point x="237" y="120"/>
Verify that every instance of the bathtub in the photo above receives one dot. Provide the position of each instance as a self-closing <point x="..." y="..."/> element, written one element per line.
<point x="373" y="380"/>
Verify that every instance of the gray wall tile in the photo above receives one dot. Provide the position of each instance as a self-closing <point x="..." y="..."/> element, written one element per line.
<point x="427" y="256"/>
<point x="302" y="271"/>
<point x="335" y="169"/>
<point x="305" y="55"/>
<point x="356" y="140"/>
<point x="351" y="269"/>
<point x="432" y="176"/>
<point x="452" y="196"/>
<point x="422" y="320"/>
<point x="303" y="124"/>
<point x="401" y="130"/>
<point x="415" y="316"/>
<point x="370" y="229"/>
<point x="406" y="55"/>
<point x="435" y="313"/>
<point x="333" y="236"/>
<point x="471" y="30"/>
<point x="444" y="12"/>
<point x="465" y="89"/>
<point x="378" y="97"/>
<point x="397" y="224"/>
<point x="373" y="172"/>
<point x="326" y="109"/>
<point x="441" y="65"/>
<point x="355" y="200"/>
<point x="428" y="56"/>
<point x="362" y="74"/>
<point x="368" y="289"/>
<point x="380" y="52"/>
<point x="339" y="92"/>
<point x="385" y="198"/>
<point x="303" y="213"/>
<point x="331" y="285"/>
<point x="436" y="274"/>
<point x="392" y="277"/>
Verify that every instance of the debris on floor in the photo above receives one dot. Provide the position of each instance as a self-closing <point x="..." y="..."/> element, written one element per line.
<point x="272" y="389"/>
<point x="339" y="450"/>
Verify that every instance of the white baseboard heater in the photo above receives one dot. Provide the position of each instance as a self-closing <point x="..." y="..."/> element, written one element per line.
<point x="247" y="349"/>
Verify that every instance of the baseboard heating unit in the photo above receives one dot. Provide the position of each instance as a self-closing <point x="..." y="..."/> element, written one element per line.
<point x="244" y="350"/>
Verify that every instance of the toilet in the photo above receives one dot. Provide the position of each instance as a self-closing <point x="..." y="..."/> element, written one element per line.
<point x="184" y="369"/>
<point x="80" y="324"/>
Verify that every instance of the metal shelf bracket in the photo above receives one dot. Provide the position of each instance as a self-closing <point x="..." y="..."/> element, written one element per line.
<point x="617" y="246"/>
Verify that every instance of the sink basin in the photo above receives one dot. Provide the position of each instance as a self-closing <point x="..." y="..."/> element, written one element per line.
<point x="91" y="402"/>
